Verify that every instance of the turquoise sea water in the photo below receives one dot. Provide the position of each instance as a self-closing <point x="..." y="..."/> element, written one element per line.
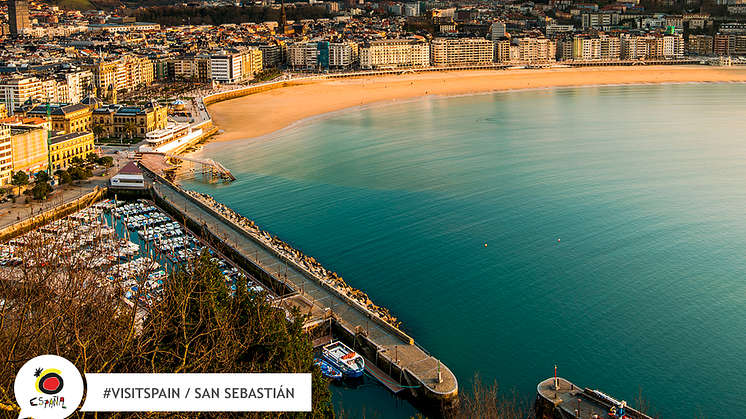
<point x="644" y="185"/>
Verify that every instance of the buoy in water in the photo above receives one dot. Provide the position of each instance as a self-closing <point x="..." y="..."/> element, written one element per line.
<point x="559" y="240"/>
<point x="485" y="245"/>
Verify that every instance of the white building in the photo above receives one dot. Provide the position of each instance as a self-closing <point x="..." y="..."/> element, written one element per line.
<point x="553" y="30"/>
<point x="129" y="177"/>
<point x="77" y="85"/>
<point x="394" y="53"/>
<point x="18" y="89"/>
<point x="497" y="30"/>
<point x="412" y="9"/>
<point x="343" y="55"/>
<point x="236" y="65"/>
<point x="599" y="20"/>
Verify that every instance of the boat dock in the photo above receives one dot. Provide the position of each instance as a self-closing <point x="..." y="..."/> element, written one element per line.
<point x="381" y="376"/>
<point x="390" y="350"/>
<point x="559" y="398"/>
<point x="217" y="170"/>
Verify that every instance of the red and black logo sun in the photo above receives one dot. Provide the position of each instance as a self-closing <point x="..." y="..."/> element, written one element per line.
<point x="48" y="381"/>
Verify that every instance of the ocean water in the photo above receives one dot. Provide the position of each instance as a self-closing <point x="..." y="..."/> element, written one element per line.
<point x="599" y="229"/>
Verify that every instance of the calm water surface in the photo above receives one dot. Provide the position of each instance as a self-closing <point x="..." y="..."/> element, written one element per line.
<point x="645" y="186"/>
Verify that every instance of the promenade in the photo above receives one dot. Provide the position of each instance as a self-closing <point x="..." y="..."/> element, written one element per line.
<point x="406" y="362"/>
<point x="18" y="212"/>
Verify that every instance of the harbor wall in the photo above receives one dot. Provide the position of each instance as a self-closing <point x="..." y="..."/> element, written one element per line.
<point x="59" y="211"/>
<point x="356" y="338"/>
<point x="350" y="301"/>
<point x="279" y="287"/>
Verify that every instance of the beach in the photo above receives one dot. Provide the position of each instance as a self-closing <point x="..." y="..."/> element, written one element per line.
<point x="263" y="113"/>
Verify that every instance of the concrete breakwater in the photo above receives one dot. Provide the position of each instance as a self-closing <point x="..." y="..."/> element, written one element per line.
<point x="558" y="398"/>
<point x="308" y="263"/>
<point x="427" y="380"/>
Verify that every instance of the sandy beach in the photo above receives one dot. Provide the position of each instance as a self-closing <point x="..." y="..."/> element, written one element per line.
<point x="263" y="113"/>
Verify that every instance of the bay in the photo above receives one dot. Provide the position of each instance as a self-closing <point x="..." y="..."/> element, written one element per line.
<point x="613" y="219"/>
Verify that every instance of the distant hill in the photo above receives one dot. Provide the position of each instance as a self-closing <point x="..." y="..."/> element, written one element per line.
<point x="179" y="15"/>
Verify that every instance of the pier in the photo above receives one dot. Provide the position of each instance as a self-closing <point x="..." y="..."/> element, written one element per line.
<point x="217" y="170"/>
<point x="395" y="354"/>
<point x="558" y="398"/>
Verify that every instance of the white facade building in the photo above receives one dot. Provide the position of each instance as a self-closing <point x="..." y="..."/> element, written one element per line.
<point x="394" y="53"/>
<point x="17" y="90"/>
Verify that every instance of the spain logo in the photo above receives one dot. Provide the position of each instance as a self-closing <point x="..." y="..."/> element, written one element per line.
<point x="48" y="381"/>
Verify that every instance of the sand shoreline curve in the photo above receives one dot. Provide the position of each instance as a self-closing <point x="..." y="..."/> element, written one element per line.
<point x="257" y="115"/>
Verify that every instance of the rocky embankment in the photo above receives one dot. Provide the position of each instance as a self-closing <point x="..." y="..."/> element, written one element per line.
<point x="309" y="264"/>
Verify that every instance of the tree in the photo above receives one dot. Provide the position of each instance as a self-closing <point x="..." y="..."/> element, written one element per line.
<point x="19" y="179"/>
<point x="64" y="177"/>
<point x="107" y="162"/>
<point x="41" y="176"/>
<point x="79" y="173"/>
<point x="69" y="316"/>
<point x="99" y="130"/>
<point x="91" y="158"/>
<point x="487" y="402"/>
<point x="77" y="161"/>
<point x="199" y="328"/>
<point x="41" y="190"/>
<point x="130" y="128"/>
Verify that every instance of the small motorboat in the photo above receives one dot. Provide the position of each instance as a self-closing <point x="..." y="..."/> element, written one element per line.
<point x="344" y="359"/>
<point x="327" y="369"/>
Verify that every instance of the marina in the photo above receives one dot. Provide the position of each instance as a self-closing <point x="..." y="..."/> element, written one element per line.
<point x="131" y="247"/>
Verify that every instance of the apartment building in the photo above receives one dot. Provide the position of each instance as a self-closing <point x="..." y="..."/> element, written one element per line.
<point x="235" y="65"/>
<point x="344" y="55"/>
<point x="599" y="20"/>
<point x="76" y="85"/>
<point x="536" y="49"/>
<point x="273" y="54"/>
<point x="460" y="51"/>
<point x="502" y="50"/>
<point x="700" y="45"/>
<point x="195" y="67"/>
<point x="17" y="90"/>
<point x="104" y="79"/>
<point x="394" y="53"/>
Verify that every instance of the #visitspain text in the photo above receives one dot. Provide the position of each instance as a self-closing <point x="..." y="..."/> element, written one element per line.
<point x="199" y="393"/>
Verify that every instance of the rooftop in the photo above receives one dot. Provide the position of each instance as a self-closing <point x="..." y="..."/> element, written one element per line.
<point x="68" y="137"/>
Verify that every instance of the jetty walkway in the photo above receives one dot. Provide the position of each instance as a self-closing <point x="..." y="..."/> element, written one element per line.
<point x="390" y="349"/>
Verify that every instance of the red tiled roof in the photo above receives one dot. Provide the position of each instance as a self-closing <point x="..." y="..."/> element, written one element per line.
<point x="131" y="169"/>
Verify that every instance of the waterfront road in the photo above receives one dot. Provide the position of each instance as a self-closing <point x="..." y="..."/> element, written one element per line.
<point x="409" y="357"/>
<point x="12" y="213"/>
